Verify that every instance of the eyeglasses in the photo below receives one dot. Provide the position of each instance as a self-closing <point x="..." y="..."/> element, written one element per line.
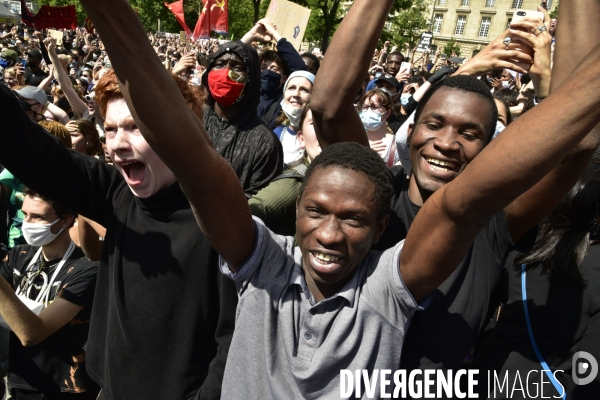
<point x="90" y="97"/>
<point x="375" y="107"/>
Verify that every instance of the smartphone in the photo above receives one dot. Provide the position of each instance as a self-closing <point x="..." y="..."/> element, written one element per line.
<point x="520" y="14"/>
<point x="24" y="63"/>
<point x="405" y="68"/>
<point x="525" y="47"/>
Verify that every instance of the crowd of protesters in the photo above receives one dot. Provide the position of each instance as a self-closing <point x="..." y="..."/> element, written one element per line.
<point x="238" y="219"/>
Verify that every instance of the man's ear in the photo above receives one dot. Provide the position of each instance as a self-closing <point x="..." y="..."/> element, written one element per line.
<point x="381" y="225"/>
<point x="409" y="133"/>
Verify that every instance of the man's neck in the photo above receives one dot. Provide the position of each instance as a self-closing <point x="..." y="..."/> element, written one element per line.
<point x="321" y="291"/>
<point x="58" y="247"/>
<point x="415" y="194"/>
<point x="227" y="112"/>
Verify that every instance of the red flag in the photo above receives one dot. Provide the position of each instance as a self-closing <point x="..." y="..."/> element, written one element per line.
<point x="26" y="16"/>
<point x="50" y="17"/>
<point x="202" y="29"/>
<point x="219" y="18"/>
<point x="214" y="17"/>
<point x="89" y="26"/>
<point x="177" y="10"/>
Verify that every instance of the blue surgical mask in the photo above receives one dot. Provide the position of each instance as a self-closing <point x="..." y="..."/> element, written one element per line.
<point x="499" y="128"/>
<point x="371" y="119"/>
<point x="269" y="80"/>
<point x="404" y="97"/>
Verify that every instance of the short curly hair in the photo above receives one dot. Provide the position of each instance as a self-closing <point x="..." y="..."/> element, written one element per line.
<point x="468" y="84"/>
<point x="108" y="89"/>
<point x="354" y="156"/>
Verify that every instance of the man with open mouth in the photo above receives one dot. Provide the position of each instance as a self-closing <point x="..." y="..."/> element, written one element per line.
<point x="163" y="316"/>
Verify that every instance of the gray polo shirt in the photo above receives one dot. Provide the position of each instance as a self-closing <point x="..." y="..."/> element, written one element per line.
<point x="287" y="346"/>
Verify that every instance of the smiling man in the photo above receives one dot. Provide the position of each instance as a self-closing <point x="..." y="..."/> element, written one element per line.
<point x="454" y="122"/>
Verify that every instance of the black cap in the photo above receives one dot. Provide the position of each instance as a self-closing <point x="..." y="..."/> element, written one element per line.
<point x="35" y="54"/>
<point x="389" y="79"/>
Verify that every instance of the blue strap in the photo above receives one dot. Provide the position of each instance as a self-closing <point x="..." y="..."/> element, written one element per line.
<point x="559" y="388"/>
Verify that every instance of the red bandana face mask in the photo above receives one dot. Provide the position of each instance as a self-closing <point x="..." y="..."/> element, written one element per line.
<point x="226" y="86"/>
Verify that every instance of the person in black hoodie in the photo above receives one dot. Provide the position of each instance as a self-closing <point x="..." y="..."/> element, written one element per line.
<point x="163" y="316"/>
<point x="238" y="134"/>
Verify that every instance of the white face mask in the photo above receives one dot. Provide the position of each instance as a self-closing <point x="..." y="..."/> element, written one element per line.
<point x="293" y="114"/>
<point x="39" y="234"/>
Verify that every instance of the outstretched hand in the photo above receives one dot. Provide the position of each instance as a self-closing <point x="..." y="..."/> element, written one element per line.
<point x="497" y="54"/>
<point x="527" y="31"/>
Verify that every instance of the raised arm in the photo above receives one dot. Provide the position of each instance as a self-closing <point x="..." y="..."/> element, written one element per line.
<point x="579" y="33"/>
<point x="343" y="71"/>
<point x="524" y="153"/>
<point x="180" y="140"/>
<point x="77" y="105"/>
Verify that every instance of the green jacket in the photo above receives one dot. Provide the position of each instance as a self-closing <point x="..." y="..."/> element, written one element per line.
<point x="275" y="204"/>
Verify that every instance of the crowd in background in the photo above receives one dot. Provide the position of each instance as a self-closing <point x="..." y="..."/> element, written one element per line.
<point x="130" y="164"/>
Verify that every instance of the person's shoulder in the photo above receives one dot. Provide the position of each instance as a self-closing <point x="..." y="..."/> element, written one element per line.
<point x="19" y="254"/>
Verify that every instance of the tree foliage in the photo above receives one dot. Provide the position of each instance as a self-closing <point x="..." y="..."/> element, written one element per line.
<point x="451" y="48"/>
<point x="407" y="25"/>
<point x="326" y="16"/>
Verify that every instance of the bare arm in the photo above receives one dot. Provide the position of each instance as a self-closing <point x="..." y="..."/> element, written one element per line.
<point x="58" y="113"/>
<point x="77" y="105"/>
<point x="31" y="329"/>
<point x="527" y="150"/>
<point x="180" y="140"/>
<point x="89" y="233"/>
<point x="343" y="71"/>
<point x="574" y="40"/>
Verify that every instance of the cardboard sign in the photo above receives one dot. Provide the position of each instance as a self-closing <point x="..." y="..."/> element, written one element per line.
<point x="290" y="20"/>
<point x="183" y="38"/>
<point x="56" y="35"/>
<point x="425" y="42"/>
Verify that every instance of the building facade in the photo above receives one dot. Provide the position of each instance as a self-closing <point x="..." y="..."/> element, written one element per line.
<point x="475" y="23"/>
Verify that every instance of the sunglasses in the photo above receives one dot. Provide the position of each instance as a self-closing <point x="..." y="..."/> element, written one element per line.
<point x="90" y="97"/>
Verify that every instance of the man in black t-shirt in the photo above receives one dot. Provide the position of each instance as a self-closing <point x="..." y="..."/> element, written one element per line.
<point x="34" y="75"/>
<point x="46" y="356"/>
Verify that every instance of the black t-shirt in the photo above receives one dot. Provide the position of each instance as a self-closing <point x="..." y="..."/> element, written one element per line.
<point x="58" y="362"/>
<point x="565" y="318"/>
<point x="441" y="336"/>
<point x="163" y="314"/>
<point x="34" y="78"/>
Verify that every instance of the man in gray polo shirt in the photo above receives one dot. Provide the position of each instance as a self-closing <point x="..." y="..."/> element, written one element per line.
<point x="305" y="313"/>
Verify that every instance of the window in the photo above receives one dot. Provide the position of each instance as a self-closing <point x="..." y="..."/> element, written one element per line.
<point x="484" y="29"/>
<point x="442" y="2"/>
<point x="508" y="23"/>
<point x="490" y="3"/>
<point x="464" y="3"/>
<point x="437" y="23"/>
<point x="549" y="5"/>
<point x="517" y="4"/>
<point x="460" y="25"/>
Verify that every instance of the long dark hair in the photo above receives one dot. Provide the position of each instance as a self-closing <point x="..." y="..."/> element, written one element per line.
<point x="566" y="234"/>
